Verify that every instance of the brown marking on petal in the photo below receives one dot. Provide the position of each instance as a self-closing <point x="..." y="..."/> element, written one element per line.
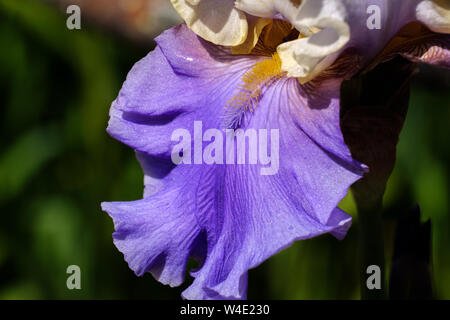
<point x="416" y="43"/>
<point x="434" y="55"/>
<point x="255" y="28"/>
<point x="274" y="34"/>
<point x="280" y="31"/>
<point x="347" y="65"/>
<point x="268" y="34"/>
<point x="296" y="3"/>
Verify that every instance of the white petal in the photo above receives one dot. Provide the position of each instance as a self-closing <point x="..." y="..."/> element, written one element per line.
<point x="258" y="8"/>
<point x="288" y="8"/>
<point x="217" y="21"/>
<point x="435" y="14"/>
<point x="306" y="57"/>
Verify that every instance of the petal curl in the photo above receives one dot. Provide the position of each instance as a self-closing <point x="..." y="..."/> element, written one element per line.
<point x="154" y="236"/>
<point x="395" y="16"/>
<point x="217" y="21"/>
<point x="230" y="216"/>
<point x="257" y="8"/>
<point x="417" y="43"/>
<point x="255" y="28"/>
<point x="435" y="14"/>
<point x="437" y="53"/>
<point x="324" y="24"/>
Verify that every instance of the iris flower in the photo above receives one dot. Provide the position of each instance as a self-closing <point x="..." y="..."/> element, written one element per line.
<point x="263" y="65"/>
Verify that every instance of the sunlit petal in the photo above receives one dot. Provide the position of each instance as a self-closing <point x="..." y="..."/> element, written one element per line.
<point x="324" y="30"/>
<point x="217" y="21"/>
<point x="257" y="8"/>
<point x="228" y="216"/>
<point x="435" y="14"/>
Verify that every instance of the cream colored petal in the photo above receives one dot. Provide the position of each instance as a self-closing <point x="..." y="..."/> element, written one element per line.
<point x="217" y="21"/>
<point x="288" y="8"/>
<point x="257" y="8"/>
<point x="255" y="27"/>
<point x="323" y="24"/>
<point x="435" y="14"/>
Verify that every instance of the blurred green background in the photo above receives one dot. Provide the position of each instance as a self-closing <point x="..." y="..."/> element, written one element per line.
<point x="57" y="164"/>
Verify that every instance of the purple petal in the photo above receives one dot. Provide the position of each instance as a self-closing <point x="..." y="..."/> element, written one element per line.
<point x="394" y="16"/>
<point x="228" y="216"/>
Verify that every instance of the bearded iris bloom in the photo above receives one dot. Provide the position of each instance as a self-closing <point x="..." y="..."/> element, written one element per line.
<point x="263" y="65"/>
